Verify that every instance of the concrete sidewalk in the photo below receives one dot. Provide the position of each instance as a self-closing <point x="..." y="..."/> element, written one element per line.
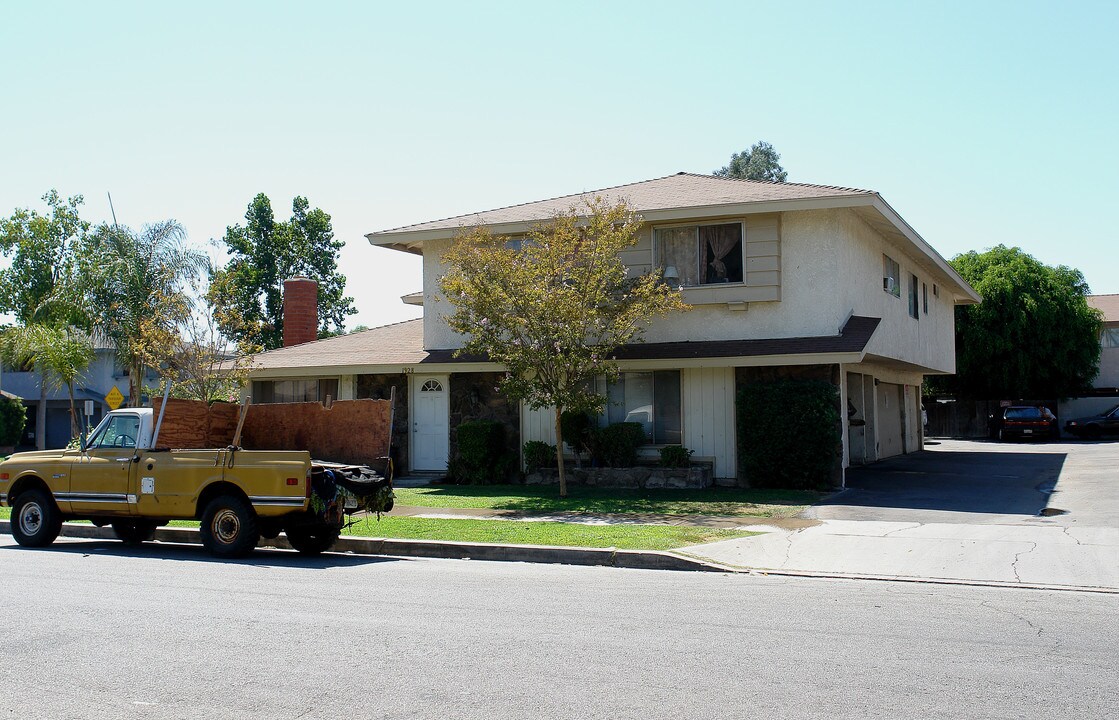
<point x="960" y="511"/>
<point x="1044" y="554"/>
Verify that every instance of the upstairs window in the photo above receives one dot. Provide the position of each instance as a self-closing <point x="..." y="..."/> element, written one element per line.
<point x="891" y="276"/>
<point x="696" y="255"/>
<point x="1110" y="338"/>
<point x="925" y="297"/>
<point x="913" y="309"/>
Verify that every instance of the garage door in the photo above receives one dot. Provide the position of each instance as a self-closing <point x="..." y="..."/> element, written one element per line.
<point x="889" y="420"/>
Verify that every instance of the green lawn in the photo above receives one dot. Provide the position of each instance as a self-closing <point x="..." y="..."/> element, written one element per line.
<point x="604" y="501"/>
<point x="626" y="537"/>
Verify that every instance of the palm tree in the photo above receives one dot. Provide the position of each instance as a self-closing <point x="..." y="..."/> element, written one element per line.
<point x="61" y="355"/>
<point x="135" y="283"/>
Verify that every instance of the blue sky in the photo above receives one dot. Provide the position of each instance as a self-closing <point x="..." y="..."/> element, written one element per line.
<point x="981" y="123"/>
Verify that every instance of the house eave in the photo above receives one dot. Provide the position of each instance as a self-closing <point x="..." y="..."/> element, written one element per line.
<point x="412" y="240"/>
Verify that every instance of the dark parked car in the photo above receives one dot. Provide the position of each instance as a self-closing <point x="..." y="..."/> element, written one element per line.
<point x="1023" y="422"/>
<point x="1095" y="426"/>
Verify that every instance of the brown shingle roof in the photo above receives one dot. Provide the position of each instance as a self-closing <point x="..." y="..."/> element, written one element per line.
<point x="674" y="191"/>
<point x="1107" y="304"/>
<point x="397" y="344"/>
<point x="402" y="344"/>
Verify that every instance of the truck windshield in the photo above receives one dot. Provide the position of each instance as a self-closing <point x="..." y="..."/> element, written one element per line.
<point x="118" y="431"/>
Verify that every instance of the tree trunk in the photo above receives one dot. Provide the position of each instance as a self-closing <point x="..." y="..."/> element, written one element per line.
<point x="75" y="429"/>
<point x="559" y="454"/>
<point x="41" y="414"/>
<point x="134" y="379"/>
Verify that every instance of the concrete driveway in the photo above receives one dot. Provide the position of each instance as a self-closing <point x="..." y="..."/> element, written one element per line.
<point x="1020" y="513"/>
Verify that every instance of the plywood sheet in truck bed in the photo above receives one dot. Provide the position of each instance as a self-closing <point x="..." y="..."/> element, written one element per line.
<point x="351" y="431"/>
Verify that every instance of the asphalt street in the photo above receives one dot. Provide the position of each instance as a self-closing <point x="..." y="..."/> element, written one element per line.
<point x="98" y="630"/>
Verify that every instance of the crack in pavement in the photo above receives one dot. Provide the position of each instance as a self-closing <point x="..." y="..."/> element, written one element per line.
<point x="1017" y="557"/>
<point x="1038" y="628"/>
<point x="788" y="548"/>
<point x="914" y="526"/>
<point x="1066" y="529"/>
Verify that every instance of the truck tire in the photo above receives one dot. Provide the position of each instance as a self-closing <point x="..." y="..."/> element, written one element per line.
<point x="229" y="527"/>
<point x="312" y="541"/>
<point x="134" y="532"/>
<point x="36" y="520"/>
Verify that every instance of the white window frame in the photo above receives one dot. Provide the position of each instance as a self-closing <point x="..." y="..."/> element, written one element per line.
<point x="697" y="224"/>
<point x="891" y="285"/>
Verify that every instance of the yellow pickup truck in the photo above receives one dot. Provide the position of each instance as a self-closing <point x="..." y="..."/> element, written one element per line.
<point x="123" y="479"/>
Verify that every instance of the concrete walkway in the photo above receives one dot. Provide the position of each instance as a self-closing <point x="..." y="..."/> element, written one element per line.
<point x="963" y="511"/>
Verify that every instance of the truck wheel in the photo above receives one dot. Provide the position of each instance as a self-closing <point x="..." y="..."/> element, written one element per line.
<point x="134" y="532"/>
<point x="312" y="541"/>
<point x="229" y="527"/>
<point x="36" y="521"/>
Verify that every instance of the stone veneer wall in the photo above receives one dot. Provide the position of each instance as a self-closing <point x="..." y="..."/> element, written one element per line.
<point x="377" y="387"/>
<point x="474" y="397"/>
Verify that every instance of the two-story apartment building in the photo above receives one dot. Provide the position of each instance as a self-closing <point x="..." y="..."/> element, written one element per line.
<point x="784" y="280"/>
<point x="1105" y="388"/>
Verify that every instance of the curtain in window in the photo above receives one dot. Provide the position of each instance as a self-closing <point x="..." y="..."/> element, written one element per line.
<point x="717" y="244"/>
<point x="676" y="247"/>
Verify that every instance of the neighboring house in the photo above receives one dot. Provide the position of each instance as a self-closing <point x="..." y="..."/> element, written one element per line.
<point x="1105" y="392"/>
<point x="103" y="374"/>
<point x="785" y="280"/>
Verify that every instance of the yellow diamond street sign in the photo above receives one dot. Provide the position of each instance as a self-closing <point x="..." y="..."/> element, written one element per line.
<point x="114" y="398"/>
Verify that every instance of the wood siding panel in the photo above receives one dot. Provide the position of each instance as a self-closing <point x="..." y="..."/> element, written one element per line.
<point x="762" y="249"/>
<point x="755" y="279"/>
<point x="709" y="416"/>
<point x="538" y="424"/>
<point x="765" y="264"/>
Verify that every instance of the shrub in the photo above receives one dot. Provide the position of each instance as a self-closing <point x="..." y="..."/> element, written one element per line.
<point x="578" y="430"/>
<point x="12" y="419"/>
<point x="675" y="456"/>
<point x="616" y="445"/>
<point x="788" y="434"/>
<point x="539" y="454"/>
<point x="482" y="456"/>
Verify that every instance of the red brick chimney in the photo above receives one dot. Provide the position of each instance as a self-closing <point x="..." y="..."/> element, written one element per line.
<point x="301" y="311"/>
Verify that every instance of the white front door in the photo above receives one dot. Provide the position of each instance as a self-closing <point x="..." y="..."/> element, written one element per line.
<point x="430" y="431"/>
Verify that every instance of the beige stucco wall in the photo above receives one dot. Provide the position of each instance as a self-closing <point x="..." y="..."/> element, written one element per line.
<point x="928" y="341"/>
<point x="1109" y="366"/>
<point x="830" y="268"/>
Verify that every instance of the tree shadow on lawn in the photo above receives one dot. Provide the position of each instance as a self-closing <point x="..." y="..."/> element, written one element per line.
<point x="607" y="501"/>
<point x="1004" y="483"/>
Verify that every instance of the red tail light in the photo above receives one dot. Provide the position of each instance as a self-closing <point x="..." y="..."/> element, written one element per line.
<point x="308" y="484"/>
<point x="293" y="481"/>
<point x="3" y="476"/>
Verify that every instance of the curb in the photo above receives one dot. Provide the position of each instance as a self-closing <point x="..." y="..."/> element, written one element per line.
<point x="550" y="554"/>
<point x="606" y="557"/>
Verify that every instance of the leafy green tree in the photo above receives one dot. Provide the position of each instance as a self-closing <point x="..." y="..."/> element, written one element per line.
<point x="40" y="280"/>
<point x="1034" y="336"/>
<point x="61" y="354"/>
<point x="39" y="285"/>
<point x="13" y="418"/>
<point x="248" y="293"/>
<point x="554" y="309"/>
<point x="136" y="282"/>
<point x="760" y="162"/>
